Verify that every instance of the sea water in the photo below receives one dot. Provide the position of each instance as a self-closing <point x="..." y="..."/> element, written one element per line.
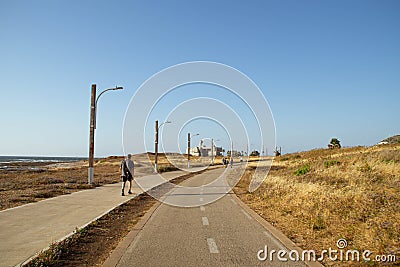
<point x="18" y="162"/>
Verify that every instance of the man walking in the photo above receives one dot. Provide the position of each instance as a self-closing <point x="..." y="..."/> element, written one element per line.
<point x="127" y="170"/>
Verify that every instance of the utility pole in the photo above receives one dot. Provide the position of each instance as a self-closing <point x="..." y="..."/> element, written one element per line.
<point x="91" y="138"/>
<point x="93" y="111"/>
<point x="188" y="151"/>
<point x="157" y="129"/>
<point x="156" y="148"/>
<point x="188" y="148"/>
<point x="212" y="151"/>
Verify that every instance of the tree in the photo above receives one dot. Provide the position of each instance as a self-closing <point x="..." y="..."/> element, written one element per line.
<point x="235" y="153"/>
<point x="278" y="152"/>
<point x="255" y="153"/>
<point x="335" y="143"/>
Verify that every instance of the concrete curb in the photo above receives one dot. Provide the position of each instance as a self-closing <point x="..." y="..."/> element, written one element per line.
<point x="72" y="233"/>
<point x="120" y="250"/>
<point x="275" y="233"/>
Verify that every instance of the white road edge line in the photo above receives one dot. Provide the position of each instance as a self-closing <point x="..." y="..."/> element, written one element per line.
<point x="234" y="202"/>
<point x="202" y="208"/>
<point x="205" y="221"/>
<point x="212" y="246"/>
<point x="133" y="245"/>
<point x="247" y="215"/>
<point x="277" y="243"/>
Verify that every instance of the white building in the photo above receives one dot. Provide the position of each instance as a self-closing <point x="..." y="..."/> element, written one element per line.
<point x="205" y="151"/>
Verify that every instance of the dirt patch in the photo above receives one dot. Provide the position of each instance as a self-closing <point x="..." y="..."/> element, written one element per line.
<point x="27" y="182"/>
<point x="23" y="186"/>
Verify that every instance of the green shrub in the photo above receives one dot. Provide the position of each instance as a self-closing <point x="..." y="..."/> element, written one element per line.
<point x="303" y="170"/>
<point x="254" y="153"/>
<point x="331" y="163"/>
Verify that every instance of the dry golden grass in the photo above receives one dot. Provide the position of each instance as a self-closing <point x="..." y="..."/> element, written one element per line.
<point x="320" y="196"/>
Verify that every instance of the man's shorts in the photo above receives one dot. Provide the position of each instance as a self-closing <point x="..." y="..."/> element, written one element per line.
<point x="126" y="178"/>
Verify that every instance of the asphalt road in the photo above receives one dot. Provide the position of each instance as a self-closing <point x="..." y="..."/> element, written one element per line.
<point x="221" y="233"/>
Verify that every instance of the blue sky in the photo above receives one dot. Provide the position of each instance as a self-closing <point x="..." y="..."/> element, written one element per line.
<point x="327" y="68"/>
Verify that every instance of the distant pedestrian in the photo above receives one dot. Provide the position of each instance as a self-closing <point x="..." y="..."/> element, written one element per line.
<point x="127" y="170"/>
<point x="231" y="162"/>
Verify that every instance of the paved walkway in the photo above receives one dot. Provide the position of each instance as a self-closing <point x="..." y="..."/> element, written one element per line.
<point x="27" y="229"/>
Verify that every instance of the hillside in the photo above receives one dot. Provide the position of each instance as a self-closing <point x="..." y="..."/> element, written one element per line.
<point x="320" y="196"/>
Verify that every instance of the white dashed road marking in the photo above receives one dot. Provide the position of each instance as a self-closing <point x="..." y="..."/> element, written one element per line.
<point x="201" y="199"/>
<point x="205" y="221"/>
<point x="233" y="201"/>
<point x="212" y="246"/>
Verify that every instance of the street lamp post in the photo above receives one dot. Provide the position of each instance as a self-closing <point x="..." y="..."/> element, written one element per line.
<point x="212" y="150"/>
<point x="157" y="128"/>
<point x="231" y="150"/>
<point x="188" y="150"/>
<point x="156" y="147"/>
<point x="93" y="111"/>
